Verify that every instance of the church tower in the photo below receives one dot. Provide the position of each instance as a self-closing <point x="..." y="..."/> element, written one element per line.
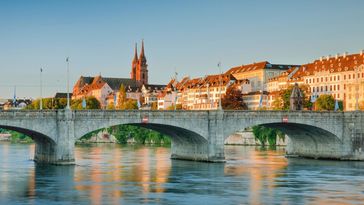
<point x="139" y="67"/>
<point x="134" y="64"/>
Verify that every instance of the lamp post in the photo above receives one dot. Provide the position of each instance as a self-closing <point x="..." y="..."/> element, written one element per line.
<point x="68" y="84"/>
<point x="41" y="100"/>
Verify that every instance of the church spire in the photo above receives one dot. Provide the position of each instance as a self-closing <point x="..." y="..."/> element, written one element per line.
<point x="142" y="55"/>
<point x="135" y="54"/>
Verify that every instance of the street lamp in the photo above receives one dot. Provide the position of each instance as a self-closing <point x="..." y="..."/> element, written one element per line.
<point x="68" y="84"/>
<point x="41" y="100"/>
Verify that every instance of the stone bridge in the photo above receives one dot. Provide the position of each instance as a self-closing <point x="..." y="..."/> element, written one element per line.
<point x="196" y="135"/>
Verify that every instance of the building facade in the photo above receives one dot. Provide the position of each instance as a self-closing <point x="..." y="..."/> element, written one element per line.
<point x="341" y="76"/>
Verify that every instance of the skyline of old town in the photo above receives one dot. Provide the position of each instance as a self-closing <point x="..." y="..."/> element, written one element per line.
<point x="340" y="75"/>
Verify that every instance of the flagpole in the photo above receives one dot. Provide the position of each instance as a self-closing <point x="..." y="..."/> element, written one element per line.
<point x="14" y="99"/>
<point x="219" y="65"/>
<point x="41" y="100"/>
<point x="68" y="84"/>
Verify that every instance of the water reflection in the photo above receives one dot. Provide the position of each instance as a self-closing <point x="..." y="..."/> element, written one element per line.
<point x="113" y="174"/>
<point x="258" y="167"/>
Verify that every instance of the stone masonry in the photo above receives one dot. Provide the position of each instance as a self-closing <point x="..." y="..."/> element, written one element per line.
<point x="196" y="135"/>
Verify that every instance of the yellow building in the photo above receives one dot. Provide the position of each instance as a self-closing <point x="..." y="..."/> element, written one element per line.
<point x="258" y="73"/>
<point x="341" y="76"/>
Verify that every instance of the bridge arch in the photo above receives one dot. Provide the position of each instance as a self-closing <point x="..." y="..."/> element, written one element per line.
<point x="307" y="137"/>
<point x="44" y="145"/>
<point x="183" y="141"/>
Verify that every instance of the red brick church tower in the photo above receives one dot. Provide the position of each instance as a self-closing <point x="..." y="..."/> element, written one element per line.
<point x="139" y="71"/>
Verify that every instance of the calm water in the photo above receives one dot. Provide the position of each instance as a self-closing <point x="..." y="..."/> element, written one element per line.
<point x="112" y="174"/>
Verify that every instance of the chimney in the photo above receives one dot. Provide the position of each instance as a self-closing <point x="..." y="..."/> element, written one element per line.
<point x="345" y="54"/>
<point x="362" y="52"/>
<point x="337" y="56"/>
<point x="321" y="58"/>
<point x="328" y="57"/>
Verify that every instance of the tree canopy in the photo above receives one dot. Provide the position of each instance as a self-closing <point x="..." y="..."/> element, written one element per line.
<point x="325" y="102"/>
<point x="233" y="99"/>
<point x="282" y="100"/>
<point x="61" y="103"/>
<point x="265" y="134"/>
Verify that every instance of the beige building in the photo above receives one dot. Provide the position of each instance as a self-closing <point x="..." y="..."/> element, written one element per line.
<point x="205" y="93"/>
<point x="341" y="76"/>
<point x="258" y="73"/>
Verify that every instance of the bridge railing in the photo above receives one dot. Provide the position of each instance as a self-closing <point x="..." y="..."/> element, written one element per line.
<point x="27" y="113"/>
<point x="139" y="114"/>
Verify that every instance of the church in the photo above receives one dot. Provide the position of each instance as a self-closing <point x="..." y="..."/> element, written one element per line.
<point x="106" y="89"/>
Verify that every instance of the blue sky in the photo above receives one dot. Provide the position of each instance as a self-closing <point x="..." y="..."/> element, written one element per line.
<point x="189" y="36"/>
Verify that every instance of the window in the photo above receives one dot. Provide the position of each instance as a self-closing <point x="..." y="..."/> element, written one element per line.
<point x="358" y="75"/>
<point x="344" y="77"/>
<point x="326" y="88"/>
<point x="344" y="86"/>
<point x="338" y="87"/>
<point x="313" y="89"/>
<point x="353" y="76"/>
<point x="330" y="78"/>
<point x="310" y="79"/>
<point x="334" y="87"/>
<point x="338" y="77"/>
<point x="334" y="78"/>
<point x="322" y="79"/>
<point x="349" y="76"/>
<point x="330" y="87"/>
<point x="322" y="88"/>
<point x="313" y="80"/>
<point x="326" y="79"/>
<point x="338" y="95"/>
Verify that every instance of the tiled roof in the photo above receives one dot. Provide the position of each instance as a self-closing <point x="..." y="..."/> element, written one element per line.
<point x="62" y="95"/>
<point x="258" y="66"/>
<point x="285" y="74"/>
<point x="331" y="64"/>
<point x="249" y="67"/>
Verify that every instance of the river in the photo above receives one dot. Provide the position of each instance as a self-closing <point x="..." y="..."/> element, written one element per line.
<point x="115" y="174"/>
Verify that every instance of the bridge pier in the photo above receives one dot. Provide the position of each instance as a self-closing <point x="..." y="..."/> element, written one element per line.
<point x="211" y="149"/>
<point x="60" y="152"/>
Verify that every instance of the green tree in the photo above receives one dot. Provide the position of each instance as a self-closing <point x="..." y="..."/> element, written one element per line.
<point x="154" y="106"/>
<point x="233" y="99"/>
<point x="177" y="107"/>
<point x="121" y="97"/>
<point x="91" y="103"/>
<point x="282" y="100"/>
<point x="265" y="134"/>
<point x="130" y="104"/>
<point x="325" y="102"/>
<point x="48" y="103"/>
<point x="110" y="106"/>
<point x="141" y="135"/>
